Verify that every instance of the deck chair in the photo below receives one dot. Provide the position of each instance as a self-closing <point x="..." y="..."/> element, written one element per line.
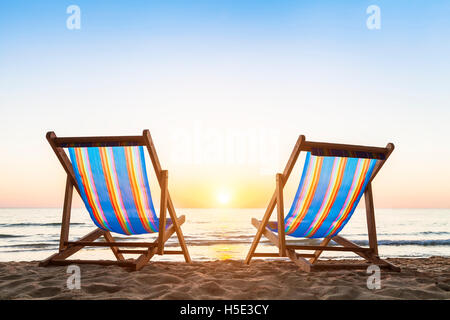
<point x="334" y="178"/>
<point x="109" y="173"/>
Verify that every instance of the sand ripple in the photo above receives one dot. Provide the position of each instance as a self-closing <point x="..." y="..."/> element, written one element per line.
<point x="420" y="279"/>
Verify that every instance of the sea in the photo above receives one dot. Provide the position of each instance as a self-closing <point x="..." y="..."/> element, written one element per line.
<point x="220" y="234"/>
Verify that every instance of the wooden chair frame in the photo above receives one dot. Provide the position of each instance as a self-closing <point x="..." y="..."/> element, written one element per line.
<point x="147" y="249"/>
<point x="285" y="250"/>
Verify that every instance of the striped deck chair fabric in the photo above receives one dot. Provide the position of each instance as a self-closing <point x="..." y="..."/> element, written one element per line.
<point x="329" y="191"/>
<point x="114" y="187"/>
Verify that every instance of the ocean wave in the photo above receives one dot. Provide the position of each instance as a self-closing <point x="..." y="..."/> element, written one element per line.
<point x="6" y="236"/>
<point x="49" y="224"/>
<point x="400" y="233"/>
<point x="418" y="242"/>
<point x="217" y="242"/>
<point x="30" y="245"/>
<point x="29" y="250"/>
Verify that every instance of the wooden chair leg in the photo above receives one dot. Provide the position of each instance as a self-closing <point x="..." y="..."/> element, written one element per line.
<point x="286" y="173"/>
<point x="115" y="250"/>
<point x="144" y="258"/>
<point x="263" y="224"/>
<point x="370" y="215"/>
<point x="347" y="243"/>
<point x="271" y="236"/>
<point x="65" y="223"/>
<point x="67" y="252"/>
<point x="280" y="216"/>
<point x="178" y="231"/>
<point x="157" y="167"/>
<point x="371" y="257"/>
<point x="304" y="264"/>
<point x="317" y="253"/>
<point x="162" y="211"/>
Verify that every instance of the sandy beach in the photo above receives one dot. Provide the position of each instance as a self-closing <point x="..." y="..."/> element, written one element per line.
<point x="424" y="278"/>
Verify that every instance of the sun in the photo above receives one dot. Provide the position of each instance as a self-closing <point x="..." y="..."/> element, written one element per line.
<point x="223" y="197"/>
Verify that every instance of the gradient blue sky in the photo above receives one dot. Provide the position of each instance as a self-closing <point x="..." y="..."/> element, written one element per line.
<point x="299" y="67"/>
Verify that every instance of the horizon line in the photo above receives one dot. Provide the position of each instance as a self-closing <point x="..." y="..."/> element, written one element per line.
<point x="250" y="208"/>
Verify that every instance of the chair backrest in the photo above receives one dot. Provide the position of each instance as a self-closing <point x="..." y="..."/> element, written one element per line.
<point x="114" y="187"/>
<point x="329" y="191"/>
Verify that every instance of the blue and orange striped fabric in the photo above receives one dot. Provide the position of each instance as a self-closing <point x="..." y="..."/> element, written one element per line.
<point x="114" y="187"/>
<point x="329" y="191"/>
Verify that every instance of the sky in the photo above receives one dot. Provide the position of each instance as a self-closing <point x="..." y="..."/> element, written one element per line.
<point x="226" y="88"/>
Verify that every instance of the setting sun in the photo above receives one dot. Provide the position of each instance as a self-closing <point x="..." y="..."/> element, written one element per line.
<point x="223" y="197"/>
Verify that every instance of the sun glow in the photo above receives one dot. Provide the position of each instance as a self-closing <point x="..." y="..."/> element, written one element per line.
<point x="223" y="197"/>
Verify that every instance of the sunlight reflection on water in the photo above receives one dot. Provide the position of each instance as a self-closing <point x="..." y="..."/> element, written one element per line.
<point x="222" y="234"/>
